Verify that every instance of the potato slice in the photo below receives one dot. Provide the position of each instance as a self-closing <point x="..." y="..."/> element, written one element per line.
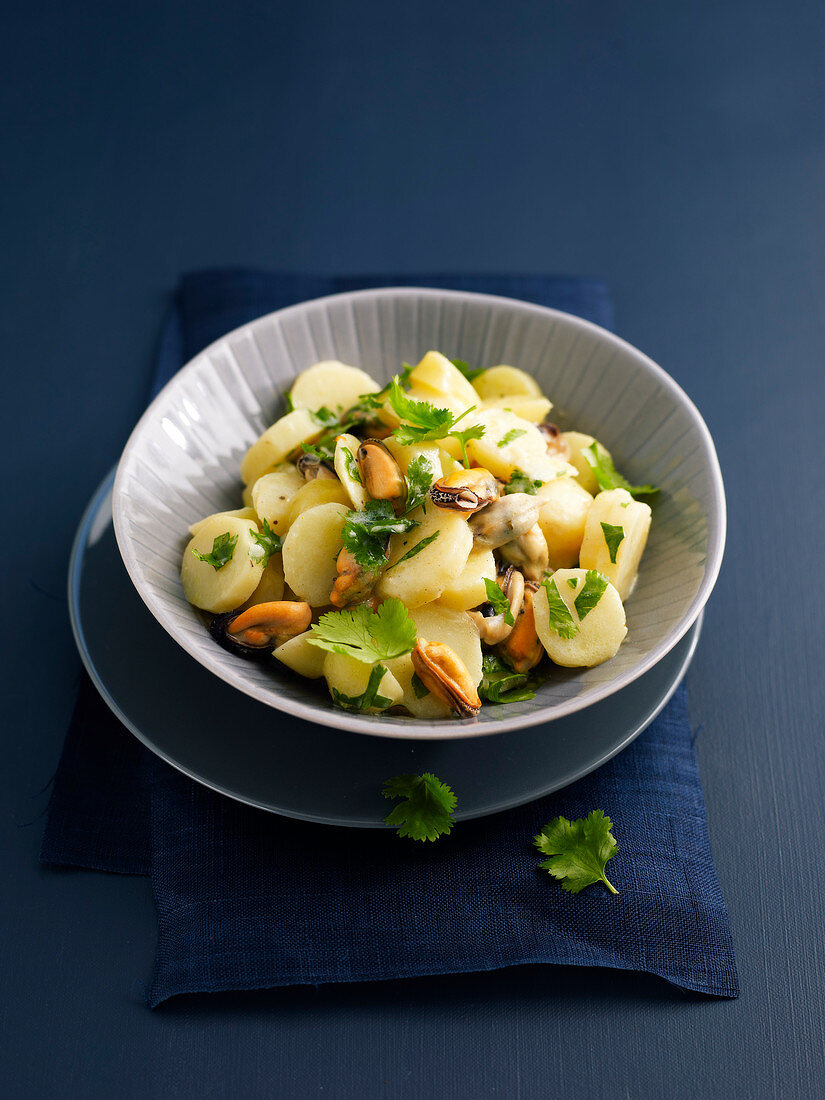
<point x="331" y="384"/>
<point x="437" y="374"/>
<point x="578" y="442"/>
<point x="563" y="511"/>
<point x="238" y="513"/>
<point x="305" y="659"/>
<point x="271" y="585"/>
<point x="321" y="490"/>
<point x="468" y="590"/>
<point x="310" y="550"/>
<point x="534" y="409"/>
<point x="510" y="443"/>
<point x="630" y="521"/>
<point x="423" y="578"/>
<point x="453" y="628"/>
<point x="351" y="677"/>
<point x="226" y="588"/>
<point x="346" y="467"/>
<point x="277" y="442"/>
<point x="272" y="496"/>
<point x="504" y="381"/>
<point x="598" y="635"/>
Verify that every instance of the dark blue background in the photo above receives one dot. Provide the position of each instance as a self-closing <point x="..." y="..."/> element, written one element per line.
<point x="676" y="149"/>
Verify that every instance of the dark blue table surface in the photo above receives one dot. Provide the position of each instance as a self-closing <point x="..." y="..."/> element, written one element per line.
<point x="676" y="149"/>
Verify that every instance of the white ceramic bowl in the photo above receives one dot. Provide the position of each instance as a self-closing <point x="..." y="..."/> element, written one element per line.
<point x="182" y="460"/>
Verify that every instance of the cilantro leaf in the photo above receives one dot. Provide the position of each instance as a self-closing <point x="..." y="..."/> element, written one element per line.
<point x="578" y="850"/>
<point x="521" y="483"/>
<point x="325" y="417"/>
<point x="513" y="434"/>
<point x="351" y="465"/>
<point x="413" y="550"/>
<point x="366" y="635"/>
<point x="592" y="591"/>
<point x="573" y="582"/>
<point x="366" y="533"/>
<point x="323" y="449"/>
<point x="426" y="812"/>
<point x="464" y="436"/>
<point x="425" y="421"/>
<point x="614" y="537"/>
<point x="469" y="373"/>
<point x="499" y="684"/>
<point x="418" y="686"/>
<point x="269" y="542"/>
<point x="606" y="474"/>
<point x="419" y="480"/>
<point x="500" y="603"/>
<point x="223" y="550"/>
<point x="560" y="618"/>
<point x="406" y="371"/>
<point x="369" y="698"/>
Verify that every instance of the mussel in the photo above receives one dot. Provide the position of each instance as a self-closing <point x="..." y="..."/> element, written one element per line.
<point x="382" y="476"/>
<point x="466" y="491"/>
<point x="529" y="552"/>
<point x="443" y="673"/>
<point x="556" y="446"/>
<point x="254" y="633"/>
<point x="493" y="627"/>
<point x="504" y="520"/>
<point x="521" y="649"/>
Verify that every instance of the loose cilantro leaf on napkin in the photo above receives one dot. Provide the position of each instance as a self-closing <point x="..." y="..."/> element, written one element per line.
<point x="560" y="618"/>
<point x="268" y="541"/>
<point x="578" y="850"/>
<point x="369" y="698"/>
<point x="592" y="591"/>
<point x="500" y="603"/>
<point x="608" y="476"/>
<point x="521" y="483"/>
<point x="614" y="537"/>
<point x="365" y="533"/>
<point x="426" y="812"/>
<point x="419" y="480"/>
<point x="499" y="684"/>
<point x="514" y="433"/>
<point x="413" y="550"/>
<point x="223" y="549"/>
<point x="368" y="636"/>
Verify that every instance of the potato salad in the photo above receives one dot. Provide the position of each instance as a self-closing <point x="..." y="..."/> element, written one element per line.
<point x="424" y="547"/>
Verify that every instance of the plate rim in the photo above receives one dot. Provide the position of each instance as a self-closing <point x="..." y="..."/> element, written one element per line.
<point x="446" y="729"/>
<point x="74" y="580"/>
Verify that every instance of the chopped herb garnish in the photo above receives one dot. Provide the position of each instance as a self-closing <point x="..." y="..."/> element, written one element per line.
<point x="223" y="549"/>
<point x="364" y="634"/>
<point x="419" y="687"/>
<point x="419" y="546"/>
<point x="463" y="437"/>
<point x="323" y="449"/>
<point x="578" y="850"/>
<point x="419" y="480"/>
<point x="351" y="465"/>
<point x="325" y="417"/>
<point x="521" y="483"/>
<point x="606" y="474"/>
<point x="366" y="533"/>
<point x="513" y="434"/>
<point x="499" y="602"/>
<point x="369" y="699"/>
<point x="573" y="582"/>
<point x="499" y="684"/>
<point x="268" y="541"/>
<point x="425" y="421"/>
<point x="592" y="591"/>
<point x="561" y="620"/>
<point x="469" y="373"/>
<point x="614" y="537"/>
<point x="426" y="812"/>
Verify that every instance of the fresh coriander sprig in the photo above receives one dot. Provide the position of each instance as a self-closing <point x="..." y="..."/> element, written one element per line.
<point x="419" y="479"/>
<point x="268" y="541"/>
<point x="426" y="809"/>
<point x="500" y="684"/>
<point x="424" y="422"/>
<point x="368" y="636"/>
<point x="578" y="850"/>
<point x="365" y="533"/>
<point x="223" y="550"/>
<point x="606" y="474"/>
<point x="500" y="603"/>
<point x="470" y="373"/>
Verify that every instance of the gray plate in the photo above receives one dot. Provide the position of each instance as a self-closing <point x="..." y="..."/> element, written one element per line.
<point x="269" y="759"/>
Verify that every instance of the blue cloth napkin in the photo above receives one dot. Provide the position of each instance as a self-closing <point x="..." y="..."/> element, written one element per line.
<point x="248" y="900"/>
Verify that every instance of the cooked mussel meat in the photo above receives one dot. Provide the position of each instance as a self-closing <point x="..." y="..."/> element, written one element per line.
<point x="255" y="632"/>
<point x="504" y="520"/>
<point x="465" y="491"/>
<point x="383" y="478"/>
<point x="443" y="673"/>
<point x="493" y="627"/>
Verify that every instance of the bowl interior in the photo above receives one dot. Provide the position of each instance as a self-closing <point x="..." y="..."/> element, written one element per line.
<point x="182" y="460"/>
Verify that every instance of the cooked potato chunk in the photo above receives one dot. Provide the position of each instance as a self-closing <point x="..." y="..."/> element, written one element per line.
<point x="435" y="372"/>
<point x="332" y="385"/>
<point x="563" y="511"/>
<point x="468" y="590"/>
<point x="238" y="513"/>
<point x="272" y="496"/>
<point x="453" y="628"/>
<point x="615" y="535"/>
<point x="534" y="409"/>
<point x="310" y="550"/>
<point x="424" y="577"/>
<point x="351" y="677"/>
<point x="578" y="442"/>
<point x="271" y="585"/>
<point x="303" y="658"/>
<point x="225" y="588"/>
<point x="595" y="638"/>
<point x="346" y="467"/>
<point x="504" y="381"/>
<point x="510" y="443"/>
<point x="321" y="490"/>
<point x="277" y="442"/>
